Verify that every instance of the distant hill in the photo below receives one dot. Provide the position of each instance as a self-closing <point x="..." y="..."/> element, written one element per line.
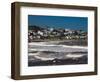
<point x="35" y="28"/>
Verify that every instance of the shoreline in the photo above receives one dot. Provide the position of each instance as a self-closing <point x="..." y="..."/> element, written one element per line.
<point x="64" y="42"/>
<point x="47" y="40"/>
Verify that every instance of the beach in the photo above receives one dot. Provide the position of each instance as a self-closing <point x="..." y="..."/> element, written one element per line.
<point x="65" y="52"/>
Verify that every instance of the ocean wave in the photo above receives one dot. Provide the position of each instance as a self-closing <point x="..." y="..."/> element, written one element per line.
<point x="44" y="56"/>
<point x="40" y="44"/>
<point x="57" y="48"/>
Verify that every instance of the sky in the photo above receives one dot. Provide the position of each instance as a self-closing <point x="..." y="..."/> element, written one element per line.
<point x="67" y="22"/>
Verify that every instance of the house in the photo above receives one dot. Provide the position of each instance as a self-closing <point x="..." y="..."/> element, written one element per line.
<point x="40" y="33"/>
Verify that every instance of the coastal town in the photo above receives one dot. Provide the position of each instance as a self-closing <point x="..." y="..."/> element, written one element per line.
<point x="36" y="33"/>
